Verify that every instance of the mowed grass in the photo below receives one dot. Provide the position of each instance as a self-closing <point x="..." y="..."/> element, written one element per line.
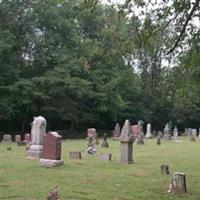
<point x="91" y="178"/>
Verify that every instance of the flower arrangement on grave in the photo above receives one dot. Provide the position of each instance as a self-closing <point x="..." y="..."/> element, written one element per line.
<point x="53" y="194"/>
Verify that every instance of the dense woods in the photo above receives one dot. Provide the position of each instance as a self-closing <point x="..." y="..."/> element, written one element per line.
<point x="82" y="63"/>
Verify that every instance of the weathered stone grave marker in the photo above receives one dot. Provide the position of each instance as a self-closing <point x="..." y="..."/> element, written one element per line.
<point x="38" y="131"/>
<point x="126" y="140"/>
<point x="148" y="134"/>
<point x="104" y="142"/>
<point x="164" y="169"/>
<point x="75" y="155"/>
<point x="105" y="156"/>
<point x="7" y="138"/>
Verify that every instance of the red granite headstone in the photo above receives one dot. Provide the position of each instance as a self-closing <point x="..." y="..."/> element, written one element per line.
<point x="27" y="137"/>
<point x="91" y="132"/>
<point x="135" y="130"/>
<point x="52" y="146"/>
<point x="18" y="138"/>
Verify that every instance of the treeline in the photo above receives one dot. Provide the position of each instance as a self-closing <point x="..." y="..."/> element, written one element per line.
<point x="83" y="64"/>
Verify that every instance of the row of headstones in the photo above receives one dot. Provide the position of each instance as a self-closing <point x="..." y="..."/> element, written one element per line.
<point x="7" y="138"/>
<point x="138" y="132"/>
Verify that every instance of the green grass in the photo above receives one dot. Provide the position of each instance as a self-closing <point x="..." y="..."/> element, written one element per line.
<point x="91" y="178"/>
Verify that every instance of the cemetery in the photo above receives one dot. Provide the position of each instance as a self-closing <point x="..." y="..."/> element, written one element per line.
<point x="53" y="168"/>
<point x="100" y="100"/>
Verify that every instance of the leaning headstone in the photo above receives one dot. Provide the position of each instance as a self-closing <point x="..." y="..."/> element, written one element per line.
<point x="7" y="138"/>
<point x="104" y="142"/>
<point x="38" y="131"/>
<point x="116" y="132"/>
<point x="126" y="140"/>
<point x="105" y="156"/>
<point x="51" y="155"/>
<point x="178" y="184"/>
<point x="148" y="134"/>
<point x="75" y="155"/>
<point x="164" y="169"/>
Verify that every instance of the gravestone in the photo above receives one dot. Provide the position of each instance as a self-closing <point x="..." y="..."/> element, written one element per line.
<point x="116" y="132"/>
<point x="164" y="169"/>
<point x="92" y="133"/>
<point x="104" y="142"/>
<point x="51" y="154"/>
<point x="135" y="131"/>
<point x="175" y="133"/>
<point x="148" y="134"/>
<point x="166" y="132"/>
<point x="38" y="130"/>
<point x="7" y="138"/>
<point x="27" y="138"/>
<point x="17" y="138"/>
<point x="126" y="140"/>
<point x="75" y="155"/>
<point x="140" y="138"/>
<point x="178" y="183"/>
<point x="105" y="156"/>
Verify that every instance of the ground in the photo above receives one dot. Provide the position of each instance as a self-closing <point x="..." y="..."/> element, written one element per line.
<point x="93" y="179"/>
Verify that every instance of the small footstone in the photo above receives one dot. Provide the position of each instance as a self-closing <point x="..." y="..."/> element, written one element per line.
<point x="105" y="156"/>
<point x="75" y="155"/>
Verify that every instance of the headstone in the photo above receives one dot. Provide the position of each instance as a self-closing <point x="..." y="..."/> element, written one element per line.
<point x="104" y="142"/>
<point x="193" y="134"/>
<point x="27" y="138"/>
<point x="175" y="133"/>
<point x="116" y="132"/>
<point x="7" y="138"/>
<point x="135" y="130"/>
<point x="166" y="132"/>
<point x="75" y="155"/>
<point x="51" y="155"/>
<point x="91" y="132"/>
<point x="178" y="184"/>
<point x="126" y="140"/>
<point x="38" y="131"/>
<point x="140" y="138"/>
<point x="164" y="169"/>
<point x="148" y="134"/>
<point x="160" y="134"/>
<point x="18" y="139"/>
<point x="105" y="156"/>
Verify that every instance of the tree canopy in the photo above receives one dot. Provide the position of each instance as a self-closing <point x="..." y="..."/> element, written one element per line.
<point x="82" y="63"/>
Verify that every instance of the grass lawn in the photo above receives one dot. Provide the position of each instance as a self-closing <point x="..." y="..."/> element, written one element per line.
<point x="91" y="178"/>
